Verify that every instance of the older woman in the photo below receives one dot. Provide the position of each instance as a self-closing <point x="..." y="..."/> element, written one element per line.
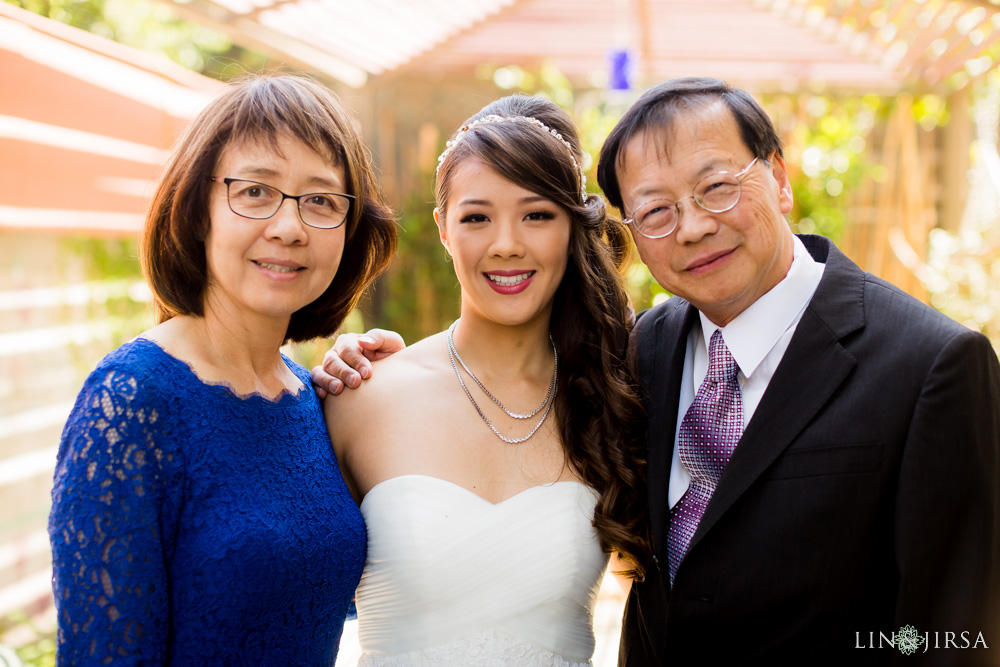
<point x="199" y="515"/>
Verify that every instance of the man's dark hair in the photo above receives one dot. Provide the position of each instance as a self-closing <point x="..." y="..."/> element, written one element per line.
<point x="660" y="107"/>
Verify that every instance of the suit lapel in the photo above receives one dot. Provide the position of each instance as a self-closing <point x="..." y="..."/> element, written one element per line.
<point x="671" y="331"/>
<point x="812" y="368"/>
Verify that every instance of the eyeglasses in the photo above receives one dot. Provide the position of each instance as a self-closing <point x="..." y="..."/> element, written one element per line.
<point x="258" y="201"/>
<point x="715" y="193"/>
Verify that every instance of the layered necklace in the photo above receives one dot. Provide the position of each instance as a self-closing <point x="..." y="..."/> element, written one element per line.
<point x="546" y="402"/>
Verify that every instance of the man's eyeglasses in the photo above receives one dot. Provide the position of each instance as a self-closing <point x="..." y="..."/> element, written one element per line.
<point x="715" y="193"/>
<point x="258" y="201"/>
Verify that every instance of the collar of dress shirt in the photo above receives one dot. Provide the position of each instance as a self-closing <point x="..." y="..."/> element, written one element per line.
<point x="754" y="332"/>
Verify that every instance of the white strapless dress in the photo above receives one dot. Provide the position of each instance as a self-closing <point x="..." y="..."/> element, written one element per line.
<point x="452" y="579"/>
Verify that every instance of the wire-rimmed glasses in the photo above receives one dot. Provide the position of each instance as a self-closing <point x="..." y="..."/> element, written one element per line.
<point x="259" y="201"/>
<point x="715" y="193"/>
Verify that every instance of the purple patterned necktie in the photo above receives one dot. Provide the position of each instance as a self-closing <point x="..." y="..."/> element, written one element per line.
<point x="708" y="435"/>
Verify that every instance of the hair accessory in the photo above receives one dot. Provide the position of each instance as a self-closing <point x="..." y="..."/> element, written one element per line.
<point x="494" y="118"/>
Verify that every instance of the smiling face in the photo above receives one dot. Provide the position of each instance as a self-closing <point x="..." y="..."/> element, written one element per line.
<point x="270" y="268"/>
<point x="720" y="262"/>
<point x="510" y="246"/>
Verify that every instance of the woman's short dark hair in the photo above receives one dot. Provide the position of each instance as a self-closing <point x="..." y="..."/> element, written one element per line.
<point x="264" y="108"/>
<point x="660" y="107"/>
<point x="601" y="420"/>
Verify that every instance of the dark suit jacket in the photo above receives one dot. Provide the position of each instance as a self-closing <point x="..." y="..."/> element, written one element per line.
<point x="863" y="496"/>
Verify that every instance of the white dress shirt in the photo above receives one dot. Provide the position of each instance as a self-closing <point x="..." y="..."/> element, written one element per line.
<point x="757" y="339"/>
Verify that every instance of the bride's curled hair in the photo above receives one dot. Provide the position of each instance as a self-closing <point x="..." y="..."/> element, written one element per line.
<point x="601" y="420"/>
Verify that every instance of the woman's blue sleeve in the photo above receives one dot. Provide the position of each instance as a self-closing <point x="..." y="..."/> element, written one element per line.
<point x="114" y="508"/>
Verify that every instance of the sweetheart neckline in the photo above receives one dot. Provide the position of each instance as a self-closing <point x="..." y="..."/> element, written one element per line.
<point x="473" y="493"/>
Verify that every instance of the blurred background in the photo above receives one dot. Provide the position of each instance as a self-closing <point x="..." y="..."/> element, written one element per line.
<point x="888" y="108"/>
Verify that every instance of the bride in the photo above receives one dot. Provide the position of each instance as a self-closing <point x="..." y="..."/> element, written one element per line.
<point x="496" y="463"/>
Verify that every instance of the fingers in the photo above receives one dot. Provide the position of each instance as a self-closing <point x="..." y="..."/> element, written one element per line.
<point x="380" y="343"/>
<point x="348" y="362"/>
<point x="324" y="384"/>
<point x="335" y="369"/>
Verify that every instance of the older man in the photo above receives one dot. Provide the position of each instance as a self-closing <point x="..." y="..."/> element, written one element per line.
<point x="824" y="450"/>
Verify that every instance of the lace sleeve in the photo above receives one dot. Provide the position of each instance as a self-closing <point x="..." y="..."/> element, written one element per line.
<point x="113" y="510"/>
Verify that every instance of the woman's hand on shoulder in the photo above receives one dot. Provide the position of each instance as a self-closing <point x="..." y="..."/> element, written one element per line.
<point x="348" y="362"/>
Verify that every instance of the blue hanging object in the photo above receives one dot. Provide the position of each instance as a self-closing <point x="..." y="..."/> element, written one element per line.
<point x="620" y="64"/>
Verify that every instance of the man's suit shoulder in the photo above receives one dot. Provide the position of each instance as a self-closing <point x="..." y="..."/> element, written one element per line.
<point x="890" y="310"/>
<point x="852" y="301"/>
<point x="674" y="305"/>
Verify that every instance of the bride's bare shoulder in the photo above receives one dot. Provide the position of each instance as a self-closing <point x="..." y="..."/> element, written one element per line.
<point x="415" y="362"/>
<point x="417" y="368"/>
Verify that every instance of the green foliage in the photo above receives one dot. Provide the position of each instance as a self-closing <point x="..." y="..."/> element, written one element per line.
<point x="153" y="27"/>
<point x="833" y="151"/>
<point x="826" y="140"/>
<point x="118" y="297"/>
<point x="420" y="295"/>
<point x="111" y="301"/>
<point x="105" y="259"/>
<point x="962" y="271"/>
<point x="39" y="651"/>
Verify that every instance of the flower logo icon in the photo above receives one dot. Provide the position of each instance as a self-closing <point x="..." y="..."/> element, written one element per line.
<point x="908" y="640"/>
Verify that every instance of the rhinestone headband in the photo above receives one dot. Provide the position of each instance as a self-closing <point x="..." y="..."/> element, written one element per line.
<point x="494" y="118"/>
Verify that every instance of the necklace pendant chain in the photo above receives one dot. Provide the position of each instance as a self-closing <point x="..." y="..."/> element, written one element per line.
<point x="516" y="415"/>
<point x="546" y="403"/>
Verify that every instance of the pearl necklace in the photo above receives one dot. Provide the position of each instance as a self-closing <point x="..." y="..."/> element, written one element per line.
<point x="547" y="402"/>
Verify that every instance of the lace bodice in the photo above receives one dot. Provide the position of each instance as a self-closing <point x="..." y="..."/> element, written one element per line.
<point x="453" y="579"/>
<point x="193" y="526"/>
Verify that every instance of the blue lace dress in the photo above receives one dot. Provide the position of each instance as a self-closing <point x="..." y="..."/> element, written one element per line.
<point x="192" y="526"/>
